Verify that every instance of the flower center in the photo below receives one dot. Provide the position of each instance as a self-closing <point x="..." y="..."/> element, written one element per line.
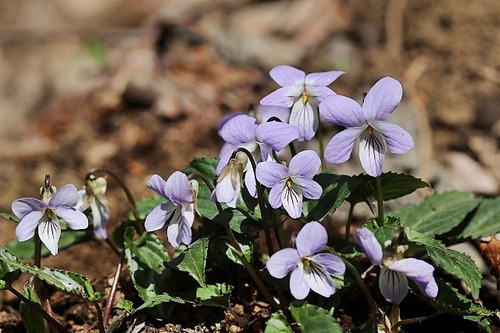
<point x="305" y="97"/>
<point x="289" y="183"/>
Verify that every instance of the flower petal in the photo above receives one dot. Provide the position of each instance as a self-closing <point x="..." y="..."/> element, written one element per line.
<point x="276" y="135"/>
<point x="318" y="279"/>
<point x="157" y="184"/>
<point x="393" y="285"/>
<point x="286" y="75"/>
<point x="49" y="232"/>
<point x="322" y="78"/>
<point x="100" y="218"/>
<point x="398" y="140"/>
<point x="340" y="147"/>
<point x="291" y="198"/>
<point x="75" y="220"/>
<point x="306" y="118"/>
<point x="65" y="196"/>
<point x="333" y="264"/>
<point x="320" y="93"/>
<point x="26" y="227"/>
<point x="283" y="97"/>
<point x="299" y="285"/>
<point x="23" y="206"/>
<point x="275" y="194"/>
<point x="415" y="269"/>
<point x="178" y="188"/>
<point x="175" y="228"/>
<point x="311" y="238"/>
<point x="250" y="182"/>
<point x="382" y="99"/>
<point x="157" y="218"/>
<point x="266" y="112"/>
<point x="269" y="173"/>
<point x="238" y="130"/>
<point x="372" y="148"/>
<point x="429" y="288"/>
<point x="310" y="188"/>
<point x="370" y="245"/>
<point x="282" y="262"/>
<point x="306" y="164"/>
<point x="342" y="111"/>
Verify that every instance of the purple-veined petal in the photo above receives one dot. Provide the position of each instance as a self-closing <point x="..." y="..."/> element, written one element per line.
<point x="311" y="238"/>
<point x="23" y="206"/>
<point x="238" y="130"/>
<point x="283" y="262"/>
<point x="428" y="288"/>
<point x="100" y="218"/>
<point x="269" y="173"/>
<point x="157" y="218"/>
<point x="157" y="184"/>
<point x="372" y="148"/>
<point x="186" y="234"/>
<point x="276" y="135"/>
<point x="75" y="220"/>
<point x="49" y="233"/>
<point x="266" y="112"/>
<point x="291" y="198"/>
<point x="250" y="182"/>
<point x="275" y="194"/>
<point x="284" y="97"/>
<point x="286" y="75"/>
<point x="299" y="285"/>
<point x="415" y="269"/>
<point x="188" y="215"/>
<point x="318" y="278"/>
<point x="382" y="99"/>
<point x="398" y="140"/>
<point x="175" y="228"/>
<point x="26" y="227"/>
<point x="178" y="188"/>
<point x="322" y="78"/>
<point x="306" y="164"/>
<point x="393" y="285"/>
<point x="370" y="245"/>
<point x="310" y="188"/>
<point x="342" y="111"/>
<point x="340" y="147"/>
<point x="65" y="196"/>
<point x="306" y="118"/>
<point x="333" y="264"/>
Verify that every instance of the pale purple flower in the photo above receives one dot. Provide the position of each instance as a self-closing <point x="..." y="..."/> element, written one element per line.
<point x="259" y="139"/>
<point x="394" y="269"/>
<point x="302" y="93"/>
<point x="230" y="180"/>
<point x="178" y="211"/>
<point x="262" y="114"/>
<point x="368" y="123"/>
<point x="309" y="270"/>
<point x="46" y="216"/>
<point x="289" y="185"/>
<point x="92" y="197"/>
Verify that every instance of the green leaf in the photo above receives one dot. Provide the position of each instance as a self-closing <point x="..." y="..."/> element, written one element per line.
<point x="335" y="191"/>
<point x="396" y="185"/>
<point x="438" y="213"/>
<point x="486" y="220"/>
<point x="278" y="324"/>
<point x="32" y="320"/>
<point x="247" y="252"/>
<point x="26" y="249"/>
<point x="206" y="167"/>
<point x="456" y="263"/>
<point x="9" y="216"/>
<point x="313" y="319"/>
<point x="193" y="260"/>
<point x="8" y="272"/>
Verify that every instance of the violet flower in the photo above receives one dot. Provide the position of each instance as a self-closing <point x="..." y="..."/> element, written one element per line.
<point x="309" y="270"/>
<point x="46" y="216"/>
<point x="368" y="122"/>
<point x="394" y="269"/>
<point x="230" y="180"/>
<point x="92" y="197"/>
<point x="302" y="93"/>
<point x="259" y="139"/>
<point x="178" y="211"/>
<point x="289" y="185"/>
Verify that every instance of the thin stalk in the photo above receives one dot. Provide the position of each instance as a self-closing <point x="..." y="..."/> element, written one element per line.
<point x="112" y="293"/>
<point x="380" y="200"/>
<point x="39" y="284"/>
<point x="321" y="145"/>
<point x="417" y="320"/>
<point x="99" y="317"/>
<point x="36" y="308"/>
<point x="349" y="222"/>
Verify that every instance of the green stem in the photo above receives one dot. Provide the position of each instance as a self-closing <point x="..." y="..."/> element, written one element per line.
<point x="99" y="317"/>
<point x="380" y="200"/>
<point x="39" y="284"/>
<point x="349" y="222"/>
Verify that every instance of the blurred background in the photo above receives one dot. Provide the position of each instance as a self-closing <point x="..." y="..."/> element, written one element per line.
<point x="139" y="86"/>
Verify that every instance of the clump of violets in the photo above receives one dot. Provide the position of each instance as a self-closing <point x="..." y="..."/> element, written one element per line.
<point x="93" y="197"/>
<point x="368" y="123"/>
<point x="302" y="93"/>
<point x="259" y="140"/>
<point x="395" y="269"/>
<point x="179" y="209"/>
<point x="310" y="269"/>
<point x="45" y="216"/>
<point x="290" y="185"/>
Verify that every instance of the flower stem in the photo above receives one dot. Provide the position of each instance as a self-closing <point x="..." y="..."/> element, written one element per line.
<point x="39" y="284"/>
<point x="380" y="200"/>
<point x="321" y="145"/>
<point x="417" y="320"/>
<point x="99" y="317"/>
<point x="112" y="293"/>
<point x="349" y="222"/>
